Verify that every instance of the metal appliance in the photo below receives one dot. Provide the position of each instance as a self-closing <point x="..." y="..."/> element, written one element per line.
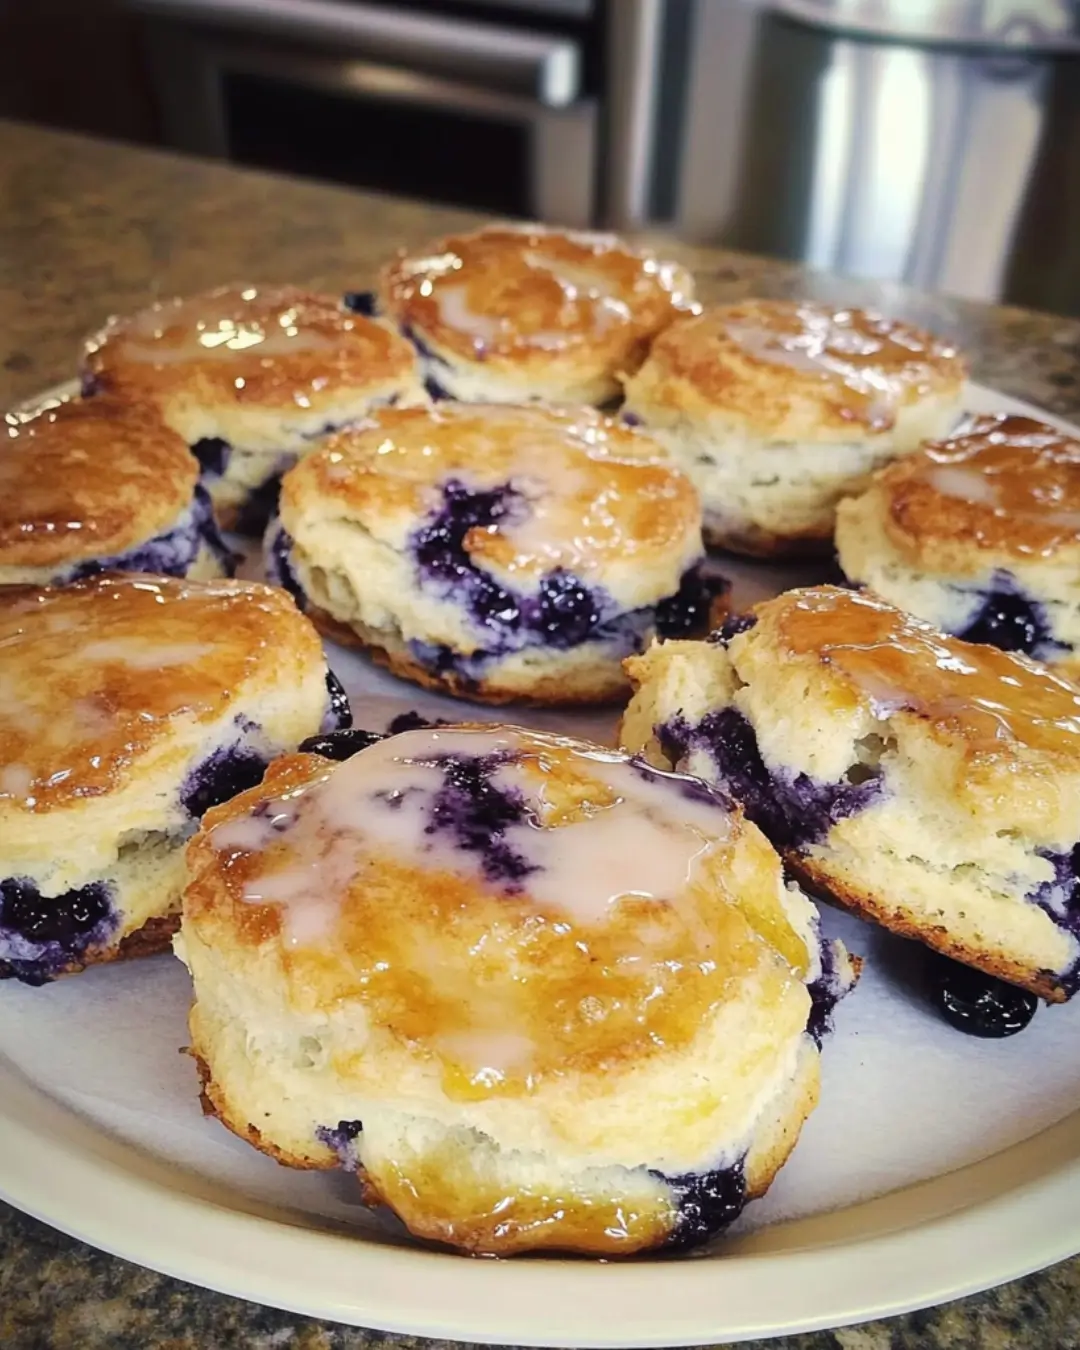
<point x="501" y="105"/>
<point x="935" y="142"/>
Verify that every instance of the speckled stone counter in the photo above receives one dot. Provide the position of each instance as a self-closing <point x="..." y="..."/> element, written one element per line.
<point x="87" y="229"/>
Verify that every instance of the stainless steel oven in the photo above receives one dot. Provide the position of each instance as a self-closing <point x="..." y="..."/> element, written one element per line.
<point x="491" y="104"/>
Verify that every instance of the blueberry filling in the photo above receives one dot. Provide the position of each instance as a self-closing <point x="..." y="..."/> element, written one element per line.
<point x="632" y="419"/>
<point x="439" y="549"/>
<point x="732" y="626"/>
<point x="675" y="739"/>
<point x="345" y="741"/>
<point x="338" y="712"/>
<point x="436" y="390"/>
<point x="468" y="805"/>
<point x="279" y="571"/>
<point x="261" y="504"/>
<point x="213" y="454"/>
<point x="706" y="1203"/>
<point x="829" y="987"/>
<point x="89" y="384"/>
<point x="411" y="335"/>
<point x="979" y="1004"/>
<point x="228" y="772"/>
<point x="413" y="721"/>
<point x="443" y="661"/>
<point x="1008" y="618"/>
<point x="1060" y="899"/>
<point x="341" y="1138"/>
<point x="40" y="936"/>
<point x="477" y="813"/>
<point x="172" y="553"/>
<point x="686" y="613"/>
<point x="825" y="991"/>
<point x="361" y="302"/>
<point x="794" y="810"/>
<point x="564" y="613"/>
<point x="340" y="745"/>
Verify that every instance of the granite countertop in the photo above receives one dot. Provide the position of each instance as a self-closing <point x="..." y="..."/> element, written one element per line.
<point x="87" y="229"/>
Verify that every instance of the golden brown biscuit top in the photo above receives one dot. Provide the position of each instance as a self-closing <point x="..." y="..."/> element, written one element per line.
<point x="999" y="706"/>
<point x="246" y="345"/>
<point x="88" y="478"/>
<point x="584" y="489"/>
<point x="507" y="903"/>
<point x="1004" y="483"/>
<point x="531" y="293"/>
<point x="854" y="366"/>
<point x="95" y="676"/>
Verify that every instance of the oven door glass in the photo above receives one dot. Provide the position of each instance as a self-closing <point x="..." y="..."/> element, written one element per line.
<point x="462" y="159"/>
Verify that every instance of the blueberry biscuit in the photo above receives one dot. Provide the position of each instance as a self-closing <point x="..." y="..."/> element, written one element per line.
<point x="515" y="314"/>
<point x="251" y="377"/>
<point x="778" y="409"/>
<point x="929" y="784"/>
<point x="97" y="485"/>
<point x="128" y="706"/>
<point x="535" y="994"/>
<point x="491" y="551"/>
<point x="980" y="535"/>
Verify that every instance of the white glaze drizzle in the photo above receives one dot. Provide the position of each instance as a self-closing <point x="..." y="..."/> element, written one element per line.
<point x="141" y="654"/>
<point x="491" y="1055"/>
<point x="16" y="780"/>
<point x="809" y="351"/>
<point x="646" y="843"/>
<point x="576" y="283"/>
<point x="452" y="303"/>
<point x="966" y="484"/>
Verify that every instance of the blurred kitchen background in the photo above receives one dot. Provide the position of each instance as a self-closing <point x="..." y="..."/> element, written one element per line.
<point x="935" y="142"/>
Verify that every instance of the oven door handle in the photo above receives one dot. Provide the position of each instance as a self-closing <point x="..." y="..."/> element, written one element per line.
<point x="534" y="65"/>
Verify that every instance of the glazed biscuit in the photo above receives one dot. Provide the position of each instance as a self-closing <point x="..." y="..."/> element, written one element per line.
<point x="128" y="706"/>
<point x="535" y="994"/>
<point x="928" y="784"/>
<point x="980" y="535"/>
<point x="522" y="313"/>
<point x="251" y="377"/>
<point x="97" y="485"/>
<point x="778" y="409"/>
<point x="495" y="552"/>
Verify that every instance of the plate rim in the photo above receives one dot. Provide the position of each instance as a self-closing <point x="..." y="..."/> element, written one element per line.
<point x="125" y="1205"/>
<point x="71" y="1174"/>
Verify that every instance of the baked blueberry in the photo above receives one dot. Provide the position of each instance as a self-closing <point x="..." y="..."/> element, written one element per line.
<point x="361" y="302"/>
<point x="340" y="744"/>
<point x="978" y="1004"/>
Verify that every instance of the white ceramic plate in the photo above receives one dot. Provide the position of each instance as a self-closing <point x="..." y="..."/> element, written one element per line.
<point x="935" y="1165"/>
